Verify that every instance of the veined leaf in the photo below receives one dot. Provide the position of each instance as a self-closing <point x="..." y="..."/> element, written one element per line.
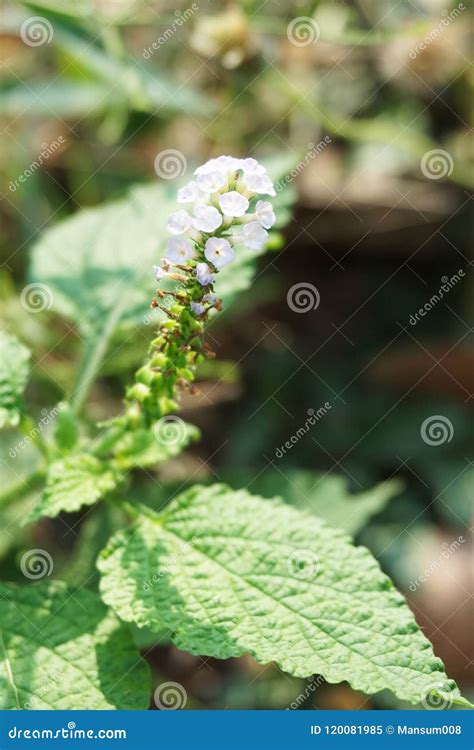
<point x="62" y="649"/>
<point x="14" y="371"/>
<point x="229" y="573"/>
<point x="72" y="482"/>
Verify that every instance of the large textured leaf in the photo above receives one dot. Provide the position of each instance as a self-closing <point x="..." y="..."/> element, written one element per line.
<point x="64" y="650"/>
<point x="73" y="482"/>
<point x="13" y="376"/>
<point x="229" y="573"/>
<point x="98" y="264"/>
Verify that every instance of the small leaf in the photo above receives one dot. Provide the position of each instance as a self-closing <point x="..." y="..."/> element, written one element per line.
<point x="229" y="573"/>
<point x="66" y="430"/>
<point x="14" y="371"/>
<point x="62" y="649"/>
<point x="73" y="482"/>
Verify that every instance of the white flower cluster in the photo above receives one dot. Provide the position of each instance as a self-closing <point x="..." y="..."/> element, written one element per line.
<point x="227" y="211"/>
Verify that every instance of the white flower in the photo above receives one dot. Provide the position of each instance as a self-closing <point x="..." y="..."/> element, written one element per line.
<point x="233" y="203"/>
<point x="206" y="218"/>
<point x="251" y="166"/>
<point x="211" y="182"/>
<point x="180" y="249"/>
<point x="198" y="308"/>
<point x="223" y="164"/>
<point x="179" y="222"/>
<point x="160" y="273"/>
<point x="255" y="236"/>
<point x="259" y="183"/>
<point x="203" y="274"/>
<point x="219" y="252"/>
<point x="188" y="193"/>
<point x="265" y="214"/>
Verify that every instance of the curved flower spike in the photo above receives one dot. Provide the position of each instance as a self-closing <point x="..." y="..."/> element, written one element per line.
<point x="225" y="211"/>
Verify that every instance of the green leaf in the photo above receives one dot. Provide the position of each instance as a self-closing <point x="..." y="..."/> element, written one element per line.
<point x="56" y="98"/>
<point x="14" y="369"/>
<point x="73" y="482"/>
<point x="325" y="495"/>
<point x="142" y="448"/>
<point x="64" y="650"/>
<point x="229" y="573"/>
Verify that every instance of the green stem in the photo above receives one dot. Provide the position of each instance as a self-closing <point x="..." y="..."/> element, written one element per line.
<point x="31" y="431"/>
<point x="22" y="488"/>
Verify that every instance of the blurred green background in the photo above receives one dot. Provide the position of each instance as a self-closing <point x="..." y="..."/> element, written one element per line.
<point x="379" y="95"/>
